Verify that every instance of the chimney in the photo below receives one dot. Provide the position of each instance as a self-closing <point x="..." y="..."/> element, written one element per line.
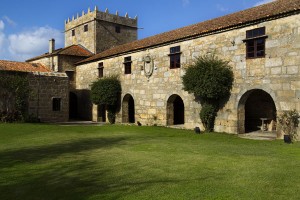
<point x="51" y="45"/>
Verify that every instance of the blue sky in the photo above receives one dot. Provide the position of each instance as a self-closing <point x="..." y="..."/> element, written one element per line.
<point x="27" y="25"/>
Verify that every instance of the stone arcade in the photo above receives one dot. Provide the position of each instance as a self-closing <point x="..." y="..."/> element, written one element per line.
<point x="261" y="43"/>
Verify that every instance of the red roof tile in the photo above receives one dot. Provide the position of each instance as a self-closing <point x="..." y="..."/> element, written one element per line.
<point x="73" y="50"/>
<point x="268" y="11"/>
<point x="22" y="66"/>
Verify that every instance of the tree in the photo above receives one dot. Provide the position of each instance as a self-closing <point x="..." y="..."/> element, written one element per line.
<point x="210" y="79"/>
<point x="106" y="91"/>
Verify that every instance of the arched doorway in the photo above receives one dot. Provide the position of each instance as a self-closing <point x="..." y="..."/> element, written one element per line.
<point x="256" y="106"/>
<point x="73" y="114"/>
<point x="128" y="112"/>
<point x="101" y="113"/>
<point x="175" y="110"/>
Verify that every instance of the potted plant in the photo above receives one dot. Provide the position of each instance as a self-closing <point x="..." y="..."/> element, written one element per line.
<point x="289" y="121"/>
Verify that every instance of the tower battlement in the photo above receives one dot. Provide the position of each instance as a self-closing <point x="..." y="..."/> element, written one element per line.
<point x="99" y="15"/>
<point x="98" y="31"/>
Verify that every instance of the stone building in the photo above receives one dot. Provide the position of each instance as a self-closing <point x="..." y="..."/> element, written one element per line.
<point x="63" y="60"/>
<point x="49" y="97"/>
<point x="85" y="35"/>
<point x="262" y="44"/>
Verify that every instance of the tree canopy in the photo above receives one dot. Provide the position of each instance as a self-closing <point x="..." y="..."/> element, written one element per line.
<point x="210" y="79"/>
<point x="106" y="91"/>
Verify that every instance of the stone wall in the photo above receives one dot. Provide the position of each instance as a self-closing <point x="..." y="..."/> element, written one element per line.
<point x="107" y="36"/>
<point x="51" y="62"/>
<point x="277" y="74"/>
<point x="45" y="87"/>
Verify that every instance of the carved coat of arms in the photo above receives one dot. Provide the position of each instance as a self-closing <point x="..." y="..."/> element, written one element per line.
<point x="148" y="66"/>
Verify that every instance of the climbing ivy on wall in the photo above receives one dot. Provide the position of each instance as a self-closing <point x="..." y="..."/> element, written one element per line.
<point x="210" y="79"/>
<point x="14" y="93"/>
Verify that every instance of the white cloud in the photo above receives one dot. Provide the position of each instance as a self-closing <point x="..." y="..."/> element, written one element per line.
<point x="185" y="2"/>
<point x="263" y="2"/>
<point x="1" y="25"/>
<point x="33" y="42"/>
<point x="10" y="21"/>
<point x="26" y="44"/>
<point x="2" y="36"/>
<point x="222" y="8"/>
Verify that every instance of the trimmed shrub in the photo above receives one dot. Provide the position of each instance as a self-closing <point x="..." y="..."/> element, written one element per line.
<point x="106" y="91"/>
<point x="208" y="115"/>
<point x="210" y="79"/>
<point x="289" y="121"/>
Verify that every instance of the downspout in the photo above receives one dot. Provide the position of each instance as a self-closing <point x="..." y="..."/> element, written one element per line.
<point x="38" y="96"/>
<point x="95" y="34"/>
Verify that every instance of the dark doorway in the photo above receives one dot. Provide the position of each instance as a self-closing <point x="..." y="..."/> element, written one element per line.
<point x="101" y="113"/>
<point x="128" y="110"/>
<point x="73" y="114"/>
<point x="255" y="107"/>
<point x="175" y="110"/>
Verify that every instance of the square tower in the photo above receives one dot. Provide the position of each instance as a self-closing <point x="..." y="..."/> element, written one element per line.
<point x="98" y="31"/>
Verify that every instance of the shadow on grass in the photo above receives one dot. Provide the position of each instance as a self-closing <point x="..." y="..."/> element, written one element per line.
<point x="39" y="173"/>
<point x="31" y="155"/>
<point x="77" y="170"/>
<point x="22" y="176"/>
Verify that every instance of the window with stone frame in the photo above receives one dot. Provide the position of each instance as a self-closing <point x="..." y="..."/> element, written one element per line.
<point x="175" y="57"/>
<point x="255" y="43"/>
<point x="100" y="70"/>
<point x="73" y="32"/>
<point x="86" y="28"/>
<point x="127" y="64"/>
<point x="56" y="104"/>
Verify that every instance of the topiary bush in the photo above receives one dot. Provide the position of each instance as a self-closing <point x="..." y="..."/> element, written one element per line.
<point x="111" y="114"/>
<point x="210" y="79"/>
<point x="106" y="91"/>
<point x="289" y="121"/>
<point x="208" y="115"/>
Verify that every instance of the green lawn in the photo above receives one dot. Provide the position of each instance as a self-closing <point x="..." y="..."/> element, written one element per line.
<point x="129" y="162"/>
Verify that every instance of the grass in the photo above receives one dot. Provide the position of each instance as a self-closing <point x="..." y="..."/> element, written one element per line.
<point x="128" y="162"/>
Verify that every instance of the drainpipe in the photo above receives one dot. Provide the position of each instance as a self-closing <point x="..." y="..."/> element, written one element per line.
<point x="38" y="96"/>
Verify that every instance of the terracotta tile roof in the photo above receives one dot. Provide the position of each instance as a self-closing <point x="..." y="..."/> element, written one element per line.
<point x="22" y="66"/>
<point x="73" y="50"/>
<point x="268" y="11"/>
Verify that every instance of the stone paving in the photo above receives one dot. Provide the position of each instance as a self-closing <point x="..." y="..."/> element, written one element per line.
<point x="259" y="135"/>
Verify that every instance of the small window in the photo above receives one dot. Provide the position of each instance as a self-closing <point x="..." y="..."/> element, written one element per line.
<point x="56" y="104"/>
<point x="70" y="74"/>
<point x="255" y="32"/>
<point x="86" y="28"/>
<point x="255" y="43"/>
<point x="118" y="29"/>
<point x="175" y="57"/>
<point x="100" y="70"/>
<point x="73" y="32"/>
<point x="127" y="64"/>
